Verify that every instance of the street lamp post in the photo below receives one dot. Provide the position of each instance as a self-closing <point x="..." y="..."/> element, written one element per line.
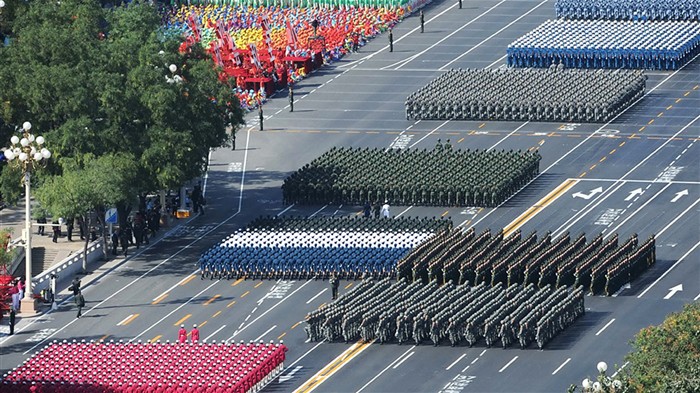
<point x="604" y="383"/>
<point x="29" y="153"/>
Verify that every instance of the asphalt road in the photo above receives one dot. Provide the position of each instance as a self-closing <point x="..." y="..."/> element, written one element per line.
<point x="636" y="174"/>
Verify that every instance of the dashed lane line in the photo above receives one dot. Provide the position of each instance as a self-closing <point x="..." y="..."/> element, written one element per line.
<point x="561" y="366"/>
<point x="128" y="320"/>
<point x="332" y="367"/>
<point x="605" y="327"/>
<point x="179" y="322"/>
<point x="508" y="364"/>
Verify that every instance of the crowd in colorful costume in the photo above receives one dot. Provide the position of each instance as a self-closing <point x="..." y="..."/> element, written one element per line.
<point x="266" y="47"/>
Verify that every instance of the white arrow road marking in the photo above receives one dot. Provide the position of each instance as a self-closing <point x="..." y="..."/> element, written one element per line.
<point x="589" y="195"/>
<point x="285" y="378"/>
<point x="633" y="193"/>
<point x="672" y="291"/>
<point x="679" y="195"/>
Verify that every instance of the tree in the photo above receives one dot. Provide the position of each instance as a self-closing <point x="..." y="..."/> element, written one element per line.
<point x="666" y="358"/>
<point x="97" y="82"/>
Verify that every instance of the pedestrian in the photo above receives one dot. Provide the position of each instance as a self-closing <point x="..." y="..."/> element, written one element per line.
<point x="385" y="209"/>
<point x="422" y="21"/>
<point x="12" y="321"/>
<point x="80" y="303"/>
<point x="69" y="229"/>
<point x="93" y="234"/>
<point x="355" y="41"/>
<point x="335" y="283"/>
<point x="81" y="226"/>
<point x="194" y="335"/>
<point x="56" y="231"/>
<point x="182" y="334"/>
<point x="14" y="292"/>
<point x="367" y="209"/>
<point x="391" y="40"/>
<point x="260" y="115"/>
<point x="124" y="241"/>
<point x="233" y="140"/>
<point x="377" y="209"/>
<point x="115" y="241"/>
<point x="291" y="98"/>
<point x="196" y="198"/>
<point x="75" y="286"/>
<point x="41" y="220"/>
<point x="52" y="287"/>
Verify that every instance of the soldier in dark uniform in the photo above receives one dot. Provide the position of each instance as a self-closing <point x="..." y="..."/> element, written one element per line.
<point x="335" y="283"/>
<point x="260" y="114"/>
<point x="291" y="99"/>
<point x="422" y="21"/>
<point x="391" y="40"/>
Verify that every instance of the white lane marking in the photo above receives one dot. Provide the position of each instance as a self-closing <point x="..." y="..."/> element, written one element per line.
<point x="213" y="334"/>
<point x="697" y="297"/>
<point x="694" y="183"/>
<point x="247" y="318"/>
<point x="264" y="334"/>
<point x="605" y="327"/>
<point x="508" y="136"/>
<point x="407" y="209"/>
<point x="317" y="295"/>
<point x="455" y="362"/>
<point x="494" y="34"/>
<point x="669" y="269"/>
<point x="482" y="352"/>
<point x="677" y="218"/>
<point x="285" y="210"/>
<point x="562" y="366"/>
<point x="267" y="311"/>
<point x="668" y="140"/>
<point x="387" y="367"/>
<point x="174" y="311"/>
<point x="600" y="198"/>
<point x="637" y="211"/>
<point x="620" y="369"/>
<point x="454" y="32"/>
<point x="497" y="61"/>
<point x="428" y="134"/>
<point x="586" y="139"/>
<point x="403" y="360"/>
<point x="474" y="361"/>
<point x="125" y="319"/>
<point x="318" y="211"/>
<point x="508" y="364"/>
<point x="178" y="283"/>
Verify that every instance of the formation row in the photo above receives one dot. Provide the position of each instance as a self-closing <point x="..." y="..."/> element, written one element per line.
<point x="300" y="248"/>
<point x="442" y="176"/>
<point x="655" y="45"/>
<point x="158" y="368"/>
<point x="601" y="265"/>
<point x="532" y="94"/>
<point x="628" y="9"/>
<point x="400" y="312"/>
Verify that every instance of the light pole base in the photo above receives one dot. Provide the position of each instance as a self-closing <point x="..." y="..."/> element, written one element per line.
<point x="28" y="307"/>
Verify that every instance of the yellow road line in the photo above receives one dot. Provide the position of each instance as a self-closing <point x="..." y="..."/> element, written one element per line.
<point x="348" y="286"/>
<point x="333" y="132"/>
<point x="281" y="335"/>
<point x="583" y="174"/>
<point x="160" y="298"/>
<point x="245" y="294"/>
<point x="371" y="132"/>
<point x="103" y="337"/>
<point x="459" y="141"/>
<point x="445" y="213"/>
<point x="482" y="125"/>
<point x="128" y="320"/>
<point x="603" y="159"/>
<point x="353" y="132"/>
<point x="314" y="132"/>
<point x="295" y="325"/>
<point x="612" y="151"/>
<point x="216" y="314"/>
<point x="188" y="279"/>
<point x="203" y="323"/>
<point x="541" y="204"/>
<point x="393" y="132"/>
<point x="686" y="94"/>
<point x="669" y="107"/>
<point x="592" y="166"/>
<point x="332" y="367"/>
<point x="240" y="280"/>
<point x="230" y="304"/>
<point x="258" y="284"/>
<point x="208" y="302"/>
<point x="679" y="100"/>
<point x="650" y="121"/>
<point x="660" y="114"/>
<point x="622" y="143"/>
<point x="156" y="338"/>
<point x="178" y="323"/>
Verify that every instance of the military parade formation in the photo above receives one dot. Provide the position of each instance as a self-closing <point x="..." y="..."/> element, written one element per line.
<point x="628" y="9"/>
<point x="601" y="266"/>
<point x="443" y="176"/>
<point x="653" y="45"/>
<point x="400" y="312"/>
<point x="554" y="94"/>
<point x="305" y="248"/>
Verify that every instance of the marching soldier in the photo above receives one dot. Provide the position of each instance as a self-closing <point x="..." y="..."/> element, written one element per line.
<point x="291" y="99"/>
<point x="391" y="40"/>
<point x="422" y="21"/>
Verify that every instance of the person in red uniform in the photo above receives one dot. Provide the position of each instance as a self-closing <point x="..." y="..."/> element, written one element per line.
<point x="182" y="334"/>
<point x="194" y="334"/>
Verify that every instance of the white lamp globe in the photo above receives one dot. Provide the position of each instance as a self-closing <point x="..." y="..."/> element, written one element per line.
<point x="27" y="126"/>
<point x="162" y="52"/>
<point x="14" y="139"/>
<point x="586" y="383"/>
<point x="38" y="156"/>
<point x="172" y="68"/>
<point x="602" y="367"/>
<point x="31" y="137"/>
<point x="617" y="384"/>
<point x="45" y="153"/>
<point x="40" y="140"/>
<point x="597" y="386"/>
<point x="32" y="150"/>
<point x="9" y="155"/>
<point x="24" y="142"/>
<point x="2" y="3"/>
<point x="23" y="156"/>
